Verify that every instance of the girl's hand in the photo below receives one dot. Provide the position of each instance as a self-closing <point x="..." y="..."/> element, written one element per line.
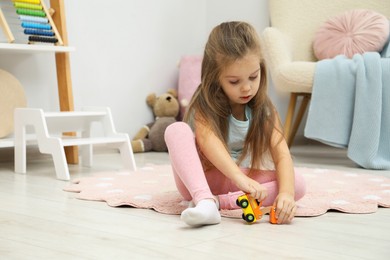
<point x="285" y="208"/>
<point x="248" y="185"/>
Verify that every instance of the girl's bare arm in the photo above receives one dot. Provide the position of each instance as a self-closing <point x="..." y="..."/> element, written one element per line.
<point x="215" y="152"/>
<point x="284" y="202"/>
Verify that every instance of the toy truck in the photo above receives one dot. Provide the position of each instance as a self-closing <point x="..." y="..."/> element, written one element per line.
<point x="252" y="210"/>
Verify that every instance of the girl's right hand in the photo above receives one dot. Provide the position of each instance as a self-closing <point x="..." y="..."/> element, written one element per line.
<point x="248" y="185"/>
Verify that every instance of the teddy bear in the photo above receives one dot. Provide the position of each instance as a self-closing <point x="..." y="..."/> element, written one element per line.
<point x="150" y="137"/>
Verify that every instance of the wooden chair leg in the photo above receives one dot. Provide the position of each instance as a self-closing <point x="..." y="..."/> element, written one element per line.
<point x="288" y="131"/>
<point x="298" y="118"/>
<point x="290" y="116"/>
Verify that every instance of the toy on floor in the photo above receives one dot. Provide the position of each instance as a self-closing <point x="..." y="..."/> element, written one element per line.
<point x="151" y="136"/>
<point x="252" y="210"/>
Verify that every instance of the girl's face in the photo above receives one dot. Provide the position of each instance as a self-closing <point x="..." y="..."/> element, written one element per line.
<point x="240" y="80"/>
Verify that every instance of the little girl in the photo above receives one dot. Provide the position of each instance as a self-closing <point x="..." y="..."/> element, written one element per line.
<point x="232" y="141"/>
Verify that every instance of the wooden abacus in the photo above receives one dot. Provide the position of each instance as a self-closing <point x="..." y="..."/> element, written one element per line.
<point x="35" y="19"/>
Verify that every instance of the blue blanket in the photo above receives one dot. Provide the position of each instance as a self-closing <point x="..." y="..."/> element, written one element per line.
<point x="350" y="107"/>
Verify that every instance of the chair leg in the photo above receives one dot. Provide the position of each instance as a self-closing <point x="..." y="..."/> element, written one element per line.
<point x="290" y="133"/>
<point x="290" y="117"/>
<point x="298" y="118"/>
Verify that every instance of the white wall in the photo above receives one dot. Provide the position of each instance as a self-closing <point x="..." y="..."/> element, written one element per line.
<point x="126" y="49"/>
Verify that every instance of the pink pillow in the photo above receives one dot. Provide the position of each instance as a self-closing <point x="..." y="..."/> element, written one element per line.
<point x="355" y="31"/>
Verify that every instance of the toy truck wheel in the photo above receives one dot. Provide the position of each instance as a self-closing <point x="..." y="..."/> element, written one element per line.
<point x="244" y="203"/>
<point x="249" y="218"/>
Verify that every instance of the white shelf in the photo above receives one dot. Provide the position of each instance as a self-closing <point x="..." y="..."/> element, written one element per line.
<point x="72" y="141"/>
<point x="7" y="142"/>
<point x="31" y="139"/>
<point x="74" y="114"/>
<point x="66" y="141"/>
<point x="28" y="48"/>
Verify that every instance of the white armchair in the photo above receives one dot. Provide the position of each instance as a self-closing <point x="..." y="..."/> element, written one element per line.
<point x="288" y="47"/>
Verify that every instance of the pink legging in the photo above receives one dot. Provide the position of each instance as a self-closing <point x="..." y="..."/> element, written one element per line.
<point x="195" y="184"/>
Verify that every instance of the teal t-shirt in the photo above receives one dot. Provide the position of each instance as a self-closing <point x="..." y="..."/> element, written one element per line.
<point x="236" y="136"/>
<point x="236" y="139"/>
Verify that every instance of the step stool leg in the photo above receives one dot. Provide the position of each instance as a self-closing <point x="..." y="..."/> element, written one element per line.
<point x="127" y="155"/>
<point x="86" y="150"/>
<point x="56" y="149"/>
<point x="86" y="155"/>
<point x="20" y="146"/>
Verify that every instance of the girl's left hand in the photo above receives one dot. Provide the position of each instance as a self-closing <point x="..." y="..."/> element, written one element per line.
<point x="285" y="208"/>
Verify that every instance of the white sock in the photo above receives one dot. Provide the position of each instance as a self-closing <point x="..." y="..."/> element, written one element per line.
<point x="191" y="204"/>
<point x="204" y="213"/>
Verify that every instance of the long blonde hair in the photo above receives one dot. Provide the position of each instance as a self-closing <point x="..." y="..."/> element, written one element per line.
<point x="227" y="43"/>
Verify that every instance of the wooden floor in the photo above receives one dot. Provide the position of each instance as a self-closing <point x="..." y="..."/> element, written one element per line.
<point x="40" y="221"/>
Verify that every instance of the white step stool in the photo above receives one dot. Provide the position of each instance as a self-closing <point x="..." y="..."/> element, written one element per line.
<point x="49" y="127"/>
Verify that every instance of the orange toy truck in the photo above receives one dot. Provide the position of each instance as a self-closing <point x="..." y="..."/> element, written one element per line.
<point x="252" y="210"/>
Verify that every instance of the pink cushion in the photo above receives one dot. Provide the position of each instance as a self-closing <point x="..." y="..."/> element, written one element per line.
<point x="354" y="31"/>
<point x="189" y="79"/>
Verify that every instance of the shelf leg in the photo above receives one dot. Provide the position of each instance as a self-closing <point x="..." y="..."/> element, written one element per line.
<point x="63" y="74"/>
